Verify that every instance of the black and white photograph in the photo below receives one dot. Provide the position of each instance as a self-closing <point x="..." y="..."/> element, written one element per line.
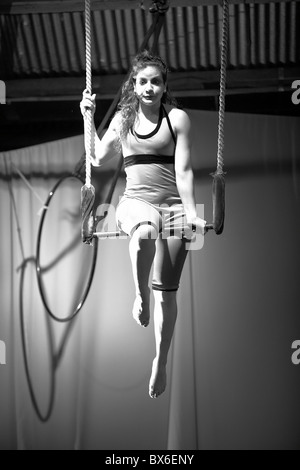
<point x="149" y="227"/>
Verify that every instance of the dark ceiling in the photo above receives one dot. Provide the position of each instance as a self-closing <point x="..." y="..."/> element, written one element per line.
<point x="42" y="59"/>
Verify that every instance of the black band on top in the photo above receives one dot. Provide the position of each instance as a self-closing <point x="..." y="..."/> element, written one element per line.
<point x="170" y="125"/>
<point x="148" y="136"/>
<point x="147" y="159"/>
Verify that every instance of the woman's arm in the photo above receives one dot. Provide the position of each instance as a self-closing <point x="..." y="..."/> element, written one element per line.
<point x="183" y="167"/>
<point x="105" y="148"/>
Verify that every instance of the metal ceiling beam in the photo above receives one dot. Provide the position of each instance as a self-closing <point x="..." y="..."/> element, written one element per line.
<point x="214" y="92"/>
<point x="16" y="7"/>
<point x="181" y="84"/>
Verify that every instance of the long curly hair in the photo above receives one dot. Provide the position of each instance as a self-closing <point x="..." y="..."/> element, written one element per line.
<point x="129" y="103"/>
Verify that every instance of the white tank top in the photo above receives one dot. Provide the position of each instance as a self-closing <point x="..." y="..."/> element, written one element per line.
<point x="149" y="167"/>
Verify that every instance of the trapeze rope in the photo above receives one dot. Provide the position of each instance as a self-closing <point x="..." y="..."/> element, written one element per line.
<point x="89" y="118"/>
<point x="224" y="52"/>
<point x="218" y="190"/>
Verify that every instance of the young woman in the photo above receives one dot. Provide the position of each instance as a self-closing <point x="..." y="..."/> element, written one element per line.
<point x="158" y="206"/>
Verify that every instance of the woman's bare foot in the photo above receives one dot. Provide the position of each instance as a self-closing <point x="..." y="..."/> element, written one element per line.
<point x="141" y="310"/>
<point x="158" y="381"/>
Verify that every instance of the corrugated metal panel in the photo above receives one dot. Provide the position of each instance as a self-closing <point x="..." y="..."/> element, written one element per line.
<point x="52" y="45"/>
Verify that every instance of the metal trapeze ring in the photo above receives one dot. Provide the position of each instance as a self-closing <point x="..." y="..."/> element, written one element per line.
<point x="38" y="265"/>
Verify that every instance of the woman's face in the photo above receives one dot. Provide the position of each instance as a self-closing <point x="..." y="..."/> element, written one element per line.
<point x="149" y="86"/>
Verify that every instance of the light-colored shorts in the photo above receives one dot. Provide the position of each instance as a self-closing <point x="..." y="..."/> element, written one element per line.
<point x="170" y="224"/>
<point x="168" y="220"/>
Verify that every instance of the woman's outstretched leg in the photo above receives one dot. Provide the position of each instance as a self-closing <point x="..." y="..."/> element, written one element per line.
<point x="169" y="261"/>
<point x="142" y="251"/>
<point x="165" y="315"/>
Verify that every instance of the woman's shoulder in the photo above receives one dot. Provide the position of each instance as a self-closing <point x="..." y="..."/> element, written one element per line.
<point x="178" y="117"/>
<point x="117" y="117"/>
<point x="115" y="122"/>
<point x="175" y="111"/>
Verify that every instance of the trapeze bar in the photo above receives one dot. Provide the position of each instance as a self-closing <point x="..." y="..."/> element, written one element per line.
<point x="109" y="234"/>
<point x="102" y="235"/>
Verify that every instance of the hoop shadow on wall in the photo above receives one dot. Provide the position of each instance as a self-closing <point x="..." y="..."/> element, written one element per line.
<point x="65" y="192"/>
<point x="44" y="417"/>
<point x="54" y="356"/>
<point x="58" y="216"/>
